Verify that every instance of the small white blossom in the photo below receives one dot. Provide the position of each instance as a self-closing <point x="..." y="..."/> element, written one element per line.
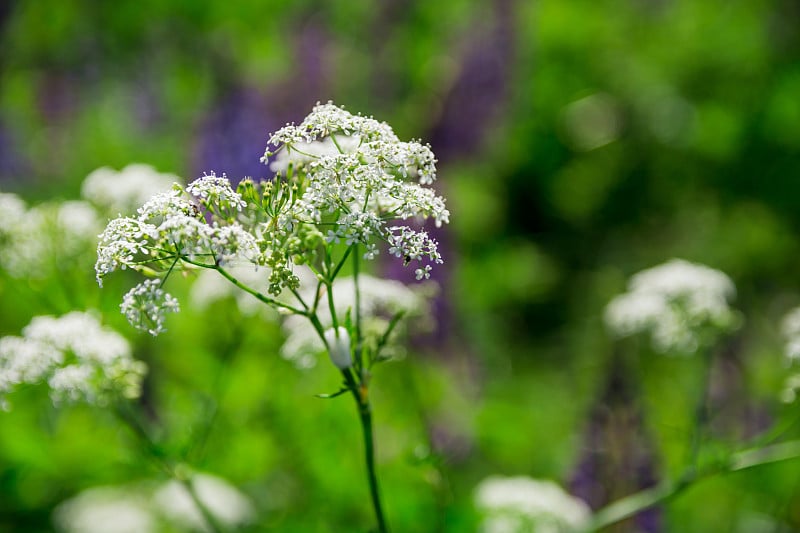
<point x="211" y="189"/>
<point x="302" y="153"/>
<point x="521" y="504"/>
<point x="146" y="306"/>
<point x="681" y="304"/>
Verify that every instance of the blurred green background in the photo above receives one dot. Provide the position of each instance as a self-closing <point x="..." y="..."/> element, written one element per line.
<point x="578" y="142"/>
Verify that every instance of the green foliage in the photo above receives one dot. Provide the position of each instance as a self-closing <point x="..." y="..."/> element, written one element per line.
<point x="608" y="137"/>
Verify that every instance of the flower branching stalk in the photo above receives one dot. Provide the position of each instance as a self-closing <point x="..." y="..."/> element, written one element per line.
<point x="344" y="187"/>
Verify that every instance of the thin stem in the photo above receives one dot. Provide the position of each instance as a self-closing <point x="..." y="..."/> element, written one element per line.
<point x="267" y="300"/>
<point x="701" y="411"/>
<point x="360" y="394"/>
<point x="359" y="362"/>
<point x="365" y="415"/>
<point x="332" y="275"/>
<point x="131" y="419"/>
<point x="638" y="502"/>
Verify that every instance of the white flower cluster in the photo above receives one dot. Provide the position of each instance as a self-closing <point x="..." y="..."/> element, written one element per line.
<point x="341" y="179"/>
<point x="123" y="191"/>
<point x="170" y="227"/>
<point x="78" y="358"/>
<point x="146" y="306"/>
<point x="151" y="508"/>
<point x="681" y="304"/>
<point x="379" y="300"/>
<point x="35" y="241"/>
<point x="521" y="504"/>
<point x="361" y="183"/>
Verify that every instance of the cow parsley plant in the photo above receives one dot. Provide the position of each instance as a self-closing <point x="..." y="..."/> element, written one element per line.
<point x="345" y="190"/>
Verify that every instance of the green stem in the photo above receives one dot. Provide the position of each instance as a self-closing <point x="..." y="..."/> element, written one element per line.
<point x="701" y="411"/>
<point x="267" y="300"/>
<point x="359" y="362"/>
<point x="638" y="502"/>
<point x="131" y="419"/>
<point x="365" y="415"/>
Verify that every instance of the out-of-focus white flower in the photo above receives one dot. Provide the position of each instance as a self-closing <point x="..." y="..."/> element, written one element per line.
<point x="38" y="241"/>
<point x="121" y="192"/>
<point x="12" y="209"/>
<point x="106" y="510"/>
<point x="681" y="304"/>
<point x="146" y="306"/>
<point x="224" y="502"/>
<point x="80" y="359"/>
<point x="380" y="300"/>
<point x="521" y="504"/>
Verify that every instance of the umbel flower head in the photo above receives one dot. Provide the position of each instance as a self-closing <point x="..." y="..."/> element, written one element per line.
<point x="344" y="184"/>
<point x="80" y="360"/>
<point x="682" y="305"/>
<point x="521" y="504"/>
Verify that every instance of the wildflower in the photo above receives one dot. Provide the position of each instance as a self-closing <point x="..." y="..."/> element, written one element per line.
<point x="75" y="355"/>
<point x="341" y="179"/>
<point x="681" y="304"/>
<point x="520" y="504"/>
<point x="146" y="306"/>
<point x="34" y="242"/>
<point x="123" y="191"/>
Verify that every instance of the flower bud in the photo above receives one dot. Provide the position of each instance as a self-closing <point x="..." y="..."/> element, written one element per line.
<point x="338" y="341"/>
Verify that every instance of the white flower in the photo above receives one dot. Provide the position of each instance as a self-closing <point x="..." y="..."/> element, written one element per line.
<point x="681" y="304"/>
<point x="40" y="241"/>
<point x="78" y="358"/>
<point x="304" y="152"/>
<point x="106" y="510"/>
<point x="226" y="504"/>
<point x="12" y="209"/>
<point x="352" y="179"/>
<point x="122" y="192"/>
<point x="146" y="306"/>
<point x="213" y="190"/>
<point x="520" y="504"/>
